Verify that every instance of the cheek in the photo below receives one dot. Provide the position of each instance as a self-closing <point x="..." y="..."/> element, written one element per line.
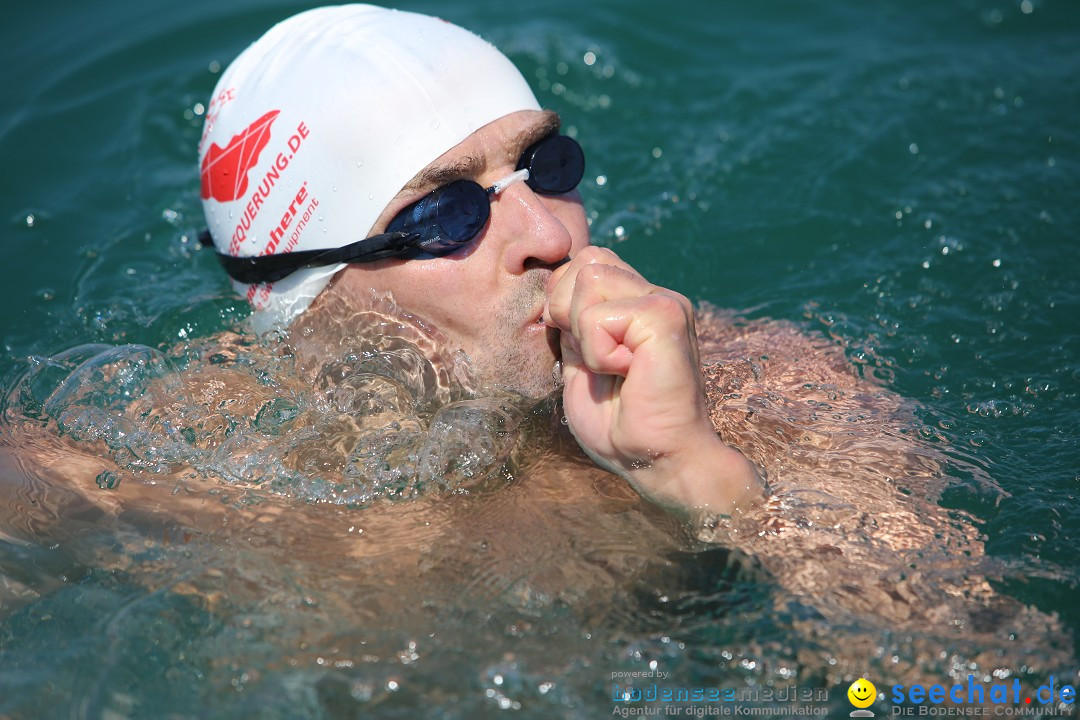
<point x="449" y="294"/>
<point x="412" y="291"/>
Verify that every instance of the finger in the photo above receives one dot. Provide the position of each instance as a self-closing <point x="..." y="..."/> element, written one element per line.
<point x="570" y="349"/>
<point x="560" y="286"/>
<point x="611" y="333"/>
<point x="596" y="283"/>
<point x="602" y="349"/>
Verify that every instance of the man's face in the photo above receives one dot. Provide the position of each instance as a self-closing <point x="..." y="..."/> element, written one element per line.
<point x="488" y="297"/>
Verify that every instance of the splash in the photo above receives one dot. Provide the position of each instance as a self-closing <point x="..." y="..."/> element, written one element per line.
<point x="383" y="410"/>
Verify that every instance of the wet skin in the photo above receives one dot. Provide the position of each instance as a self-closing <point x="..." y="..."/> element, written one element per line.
<point x="633" y="392"/>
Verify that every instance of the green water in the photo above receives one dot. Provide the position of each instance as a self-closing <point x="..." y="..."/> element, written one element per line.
<point x="901" y="177"/>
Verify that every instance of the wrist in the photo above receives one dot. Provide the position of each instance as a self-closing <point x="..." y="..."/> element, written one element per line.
<point x="704" y="477"/>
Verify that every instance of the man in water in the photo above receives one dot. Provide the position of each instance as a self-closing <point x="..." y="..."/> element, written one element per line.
<point x="355" y="153"/>
<point x="377" y="151"/>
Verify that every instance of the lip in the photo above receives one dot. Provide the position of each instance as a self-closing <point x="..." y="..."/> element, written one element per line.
<point x="536" y="325"/>
<point x="536" y="318"/>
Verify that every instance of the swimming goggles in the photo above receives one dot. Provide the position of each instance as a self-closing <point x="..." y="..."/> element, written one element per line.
<point x="438" y="224"/>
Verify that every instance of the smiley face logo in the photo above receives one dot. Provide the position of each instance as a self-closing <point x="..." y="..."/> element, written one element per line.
<point x="862" y="693"/>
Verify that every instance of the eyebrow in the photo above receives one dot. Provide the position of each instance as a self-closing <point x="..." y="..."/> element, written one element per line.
<point x="435" y="176"/>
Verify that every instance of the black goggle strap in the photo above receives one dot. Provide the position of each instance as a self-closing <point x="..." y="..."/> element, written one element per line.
<point x="258" y="269"/>
<point x="559" y="173"/>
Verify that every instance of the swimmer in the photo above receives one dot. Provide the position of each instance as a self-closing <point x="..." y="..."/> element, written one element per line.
<point x="359" y="162"/>
<point x="356" y="150"/>
<point x="401" y="157"/>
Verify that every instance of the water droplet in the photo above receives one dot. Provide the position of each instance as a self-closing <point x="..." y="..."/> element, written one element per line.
<point x="657" y="152"/>
<point x="435" y="124"/>
<point x="30" y="220"/>
<point x="913" y="149"/>
<point x="359" y="163"/>
<point x="1027" y="7"/>
<point x="601" y="180"/>
<point x="589" y="58"/>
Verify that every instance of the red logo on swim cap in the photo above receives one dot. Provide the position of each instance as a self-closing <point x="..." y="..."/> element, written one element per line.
<point x="225" y="169"/>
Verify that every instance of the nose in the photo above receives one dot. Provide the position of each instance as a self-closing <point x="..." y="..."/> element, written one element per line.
<point x="536" y="235"/>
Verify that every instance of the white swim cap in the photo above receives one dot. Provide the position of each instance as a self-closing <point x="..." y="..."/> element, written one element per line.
<point x="316" y="126"/>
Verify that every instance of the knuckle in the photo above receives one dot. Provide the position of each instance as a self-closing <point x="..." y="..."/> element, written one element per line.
<point x="596" y="254"/>
<point x="591" y="274"/>
<point x="674" y="300"/>
<point x="671" y="310"/>
<point x="670" y="303"/>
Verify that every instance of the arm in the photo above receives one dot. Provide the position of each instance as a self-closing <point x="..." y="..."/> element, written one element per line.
<point x="634" y="396"/>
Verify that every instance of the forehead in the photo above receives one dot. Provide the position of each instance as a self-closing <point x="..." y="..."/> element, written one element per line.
<point x="500" y="142"/>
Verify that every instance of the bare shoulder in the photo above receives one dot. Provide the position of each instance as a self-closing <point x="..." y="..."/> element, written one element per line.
<point x="776" y="390"/>
<point x="854" y="525"/>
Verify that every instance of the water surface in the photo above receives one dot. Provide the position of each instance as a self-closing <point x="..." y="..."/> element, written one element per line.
<point x="897" y="182"/>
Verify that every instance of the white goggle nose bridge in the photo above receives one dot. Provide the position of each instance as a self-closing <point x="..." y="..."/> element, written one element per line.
<point x="500" y="185"/>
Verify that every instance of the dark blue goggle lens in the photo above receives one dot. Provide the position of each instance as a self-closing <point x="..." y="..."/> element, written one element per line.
<point x="445" y="218"/>
<point x="450" y="216"/>
<point x="556" y="165"/>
